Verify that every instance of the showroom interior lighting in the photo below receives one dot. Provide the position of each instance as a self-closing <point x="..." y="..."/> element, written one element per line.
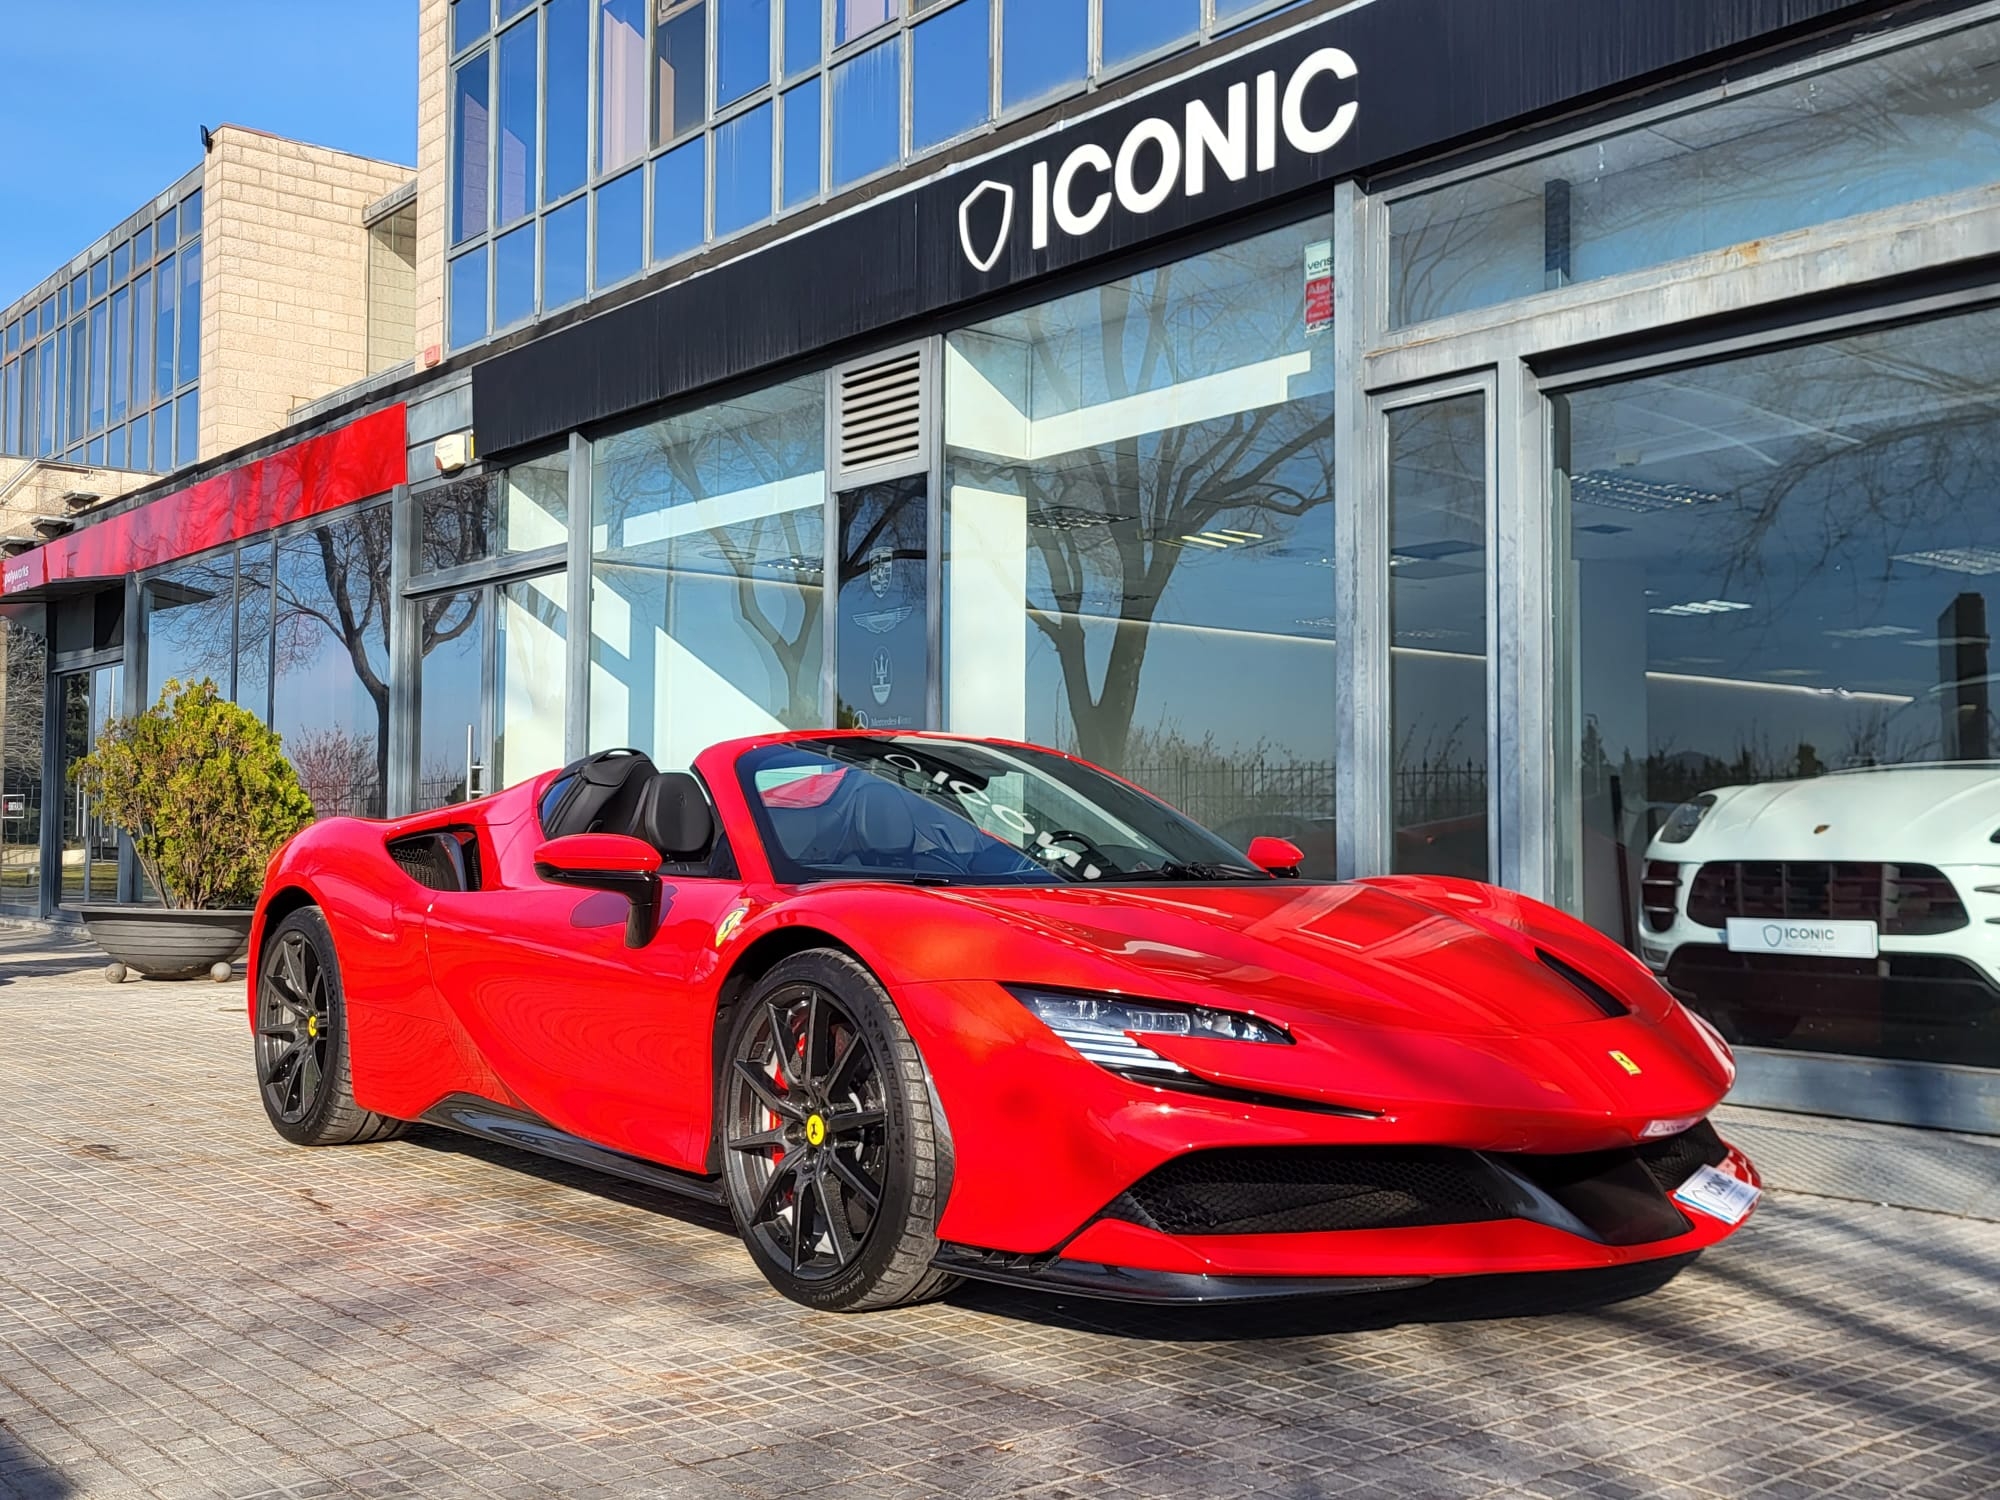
<point x="1220" y="539"/>
<point x="1979" y="561"/>
<point x="1701" y="607"/>
<point x="1623" y="492"/>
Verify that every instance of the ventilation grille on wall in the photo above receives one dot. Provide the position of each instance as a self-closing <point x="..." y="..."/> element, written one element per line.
<point x="881" y="415"/>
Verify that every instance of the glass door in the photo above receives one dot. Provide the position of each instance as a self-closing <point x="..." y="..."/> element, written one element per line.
<point x="87" y="701"/>
<point x="1439" y="485"/>
<point x="493" y="704"/>
<point x="883" y="631"/>
<point x="452" y="750"/>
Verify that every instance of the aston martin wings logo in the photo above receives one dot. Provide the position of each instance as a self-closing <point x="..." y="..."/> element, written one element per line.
<point x="984" y="218"/>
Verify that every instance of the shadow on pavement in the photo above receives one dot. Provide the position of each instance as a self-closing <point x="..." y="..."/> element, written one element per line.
<point x="1455" y="1300"/>
<point x="582" y="1179"/>
<point x="22" y="1474"/>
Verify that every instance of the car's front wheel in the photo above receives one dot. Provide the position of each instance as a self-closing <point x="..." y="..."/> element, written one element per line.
<point x="831" y="1157"/>
<point x="301" y="1042"/>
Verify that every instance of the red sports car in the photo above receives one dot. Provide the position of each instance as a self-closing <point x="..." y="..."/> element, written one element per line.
<point x="918" y="1007"/>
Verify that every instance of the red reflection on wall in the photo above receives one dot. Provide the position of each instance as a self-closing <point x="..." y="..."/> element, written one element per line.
<point x="365" y="458"/>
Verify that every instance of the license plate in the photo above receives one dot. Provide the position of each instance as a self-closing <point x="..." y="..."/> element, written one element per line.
<point x="1718" y="1195"/>
<point x="1803" y="935"/>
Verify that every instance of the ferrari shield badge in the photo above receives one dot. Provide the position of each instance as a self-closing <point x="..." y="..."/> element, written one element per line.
<point x="731" y="920"/>
<point x="1626" y="1063"/>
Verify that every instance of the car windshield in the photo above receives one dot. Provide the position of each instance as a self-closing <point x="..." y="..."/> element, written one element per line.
<point x="957" y="812"/>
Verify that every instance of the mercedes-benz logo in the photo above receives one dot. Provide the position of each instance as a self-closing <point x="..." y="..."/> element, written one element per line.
<point x="984" y="219"/>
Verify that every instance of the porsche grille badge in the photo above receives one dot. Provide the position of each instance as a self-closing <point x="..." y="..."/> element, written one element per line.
<point x="815" y="1131"/>
<point x="1626" y="1063"/>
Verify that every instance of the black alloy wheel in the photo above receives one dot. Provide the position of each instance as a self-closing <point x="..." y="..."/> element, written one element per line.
<point x="830" y="1157"/>
<point x="301" y="1047"/>
<point x="294" y="1028"/>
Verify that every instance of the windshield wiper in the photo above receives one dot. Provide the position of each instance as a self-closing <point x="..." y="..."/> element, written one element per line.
<point x="1193" y="870"/>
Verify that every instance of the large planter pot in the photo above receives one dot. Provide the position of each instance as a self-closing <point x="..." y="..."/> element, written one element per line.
<point x="163" y="943"/>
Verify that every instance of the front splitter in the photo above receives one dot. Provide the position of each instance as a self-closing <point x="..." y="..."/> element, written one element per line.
<point x="1047" y="1273"/>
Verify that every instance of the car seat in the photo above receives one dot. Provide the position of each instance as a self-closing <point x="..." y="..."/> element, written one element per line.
<point x="599" y="794"/>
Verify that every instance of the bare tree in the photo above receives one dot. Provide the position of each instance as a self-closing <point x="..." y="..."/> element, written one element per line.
<point x="726" y="451"/>
<point x="1116" y="519"/>
<point x="335" y="580"/>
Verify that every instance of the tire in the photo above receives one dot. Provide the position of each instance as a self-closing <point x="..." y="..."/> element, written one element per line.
<point x="812" y="1130"/>
<point x="303" y="1072"/>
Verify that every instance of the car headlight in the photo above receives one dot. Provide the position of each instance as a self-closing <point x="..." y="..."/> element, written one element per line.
<point x="1685" y="819"/>
<point x="1100" y="1027"/>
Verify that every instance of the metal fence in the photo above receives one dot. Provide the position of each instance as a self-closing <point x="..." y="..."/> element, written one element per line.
<point x="1219" y="796"/>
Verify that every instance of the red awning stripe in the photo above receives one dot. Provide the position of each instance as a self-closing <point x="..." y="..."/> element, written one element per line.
<point x="367" y="457"/>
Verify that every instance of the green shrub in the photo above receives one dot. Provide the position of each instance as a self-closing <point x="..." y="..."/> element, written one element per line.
<point x="203" y="789"/>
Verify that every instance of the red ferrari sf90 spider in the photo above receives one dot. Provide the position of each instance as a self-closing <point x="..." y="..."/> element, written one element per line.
<point x="917" y="1008"/>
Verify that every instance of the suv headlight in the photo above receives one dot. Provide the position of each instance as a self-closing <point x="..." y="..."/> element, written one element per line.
<point x="1685" y="819"/>
<point x="1100" y="1027"/>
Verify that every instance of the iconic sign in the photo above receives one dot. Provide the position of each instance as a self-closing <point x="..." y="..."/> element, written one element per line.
<point x="1162" y="158"/>
<point x="1237" y="131"/>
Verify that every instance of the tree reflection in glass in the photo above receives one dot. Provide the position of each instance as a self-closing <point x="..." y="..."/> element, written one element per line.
<point x="709" y="550"/>
<point x="1139" y="534"/>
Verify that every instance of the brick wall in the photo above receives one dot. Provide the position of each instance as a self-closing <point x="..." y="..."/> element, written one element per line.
<point x="284" y="298"/>
<point x="433" y="177"/>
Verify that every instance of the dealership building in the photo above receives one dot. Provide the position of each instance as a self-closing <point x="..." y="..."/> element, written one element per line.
<point x="1553" y="442"/>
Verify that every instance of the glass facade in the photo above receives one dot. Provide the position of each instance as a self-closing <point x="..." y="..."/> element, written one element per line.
<point x="808" y="98"/>
<point x="707" y="558"/>
<point x="331" y="609"/>
<point x="1139" y="517"/>
<point x="1437" y="625"/>
<point x="92" y="365"/>
<point x="1691" y="639"/>
<point x="24" y="675"/>
<point x="1786" y="579"/>
<point x="1889" y="130"/>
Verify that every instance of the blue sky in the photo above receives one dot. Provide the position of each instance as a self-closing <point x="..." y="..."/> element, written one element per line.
<point x="101" y="101"/>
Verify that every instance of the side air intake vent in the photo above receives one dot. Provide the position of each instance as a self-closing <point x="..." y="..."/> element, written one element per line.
<point x="446" y="860"/>
<point x="882" y="417"/>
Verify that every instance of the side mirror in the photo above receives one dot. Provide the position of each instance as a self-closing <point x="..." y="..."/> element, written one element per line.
<point x="1281" y="857"/>
<point x="612" y="862"/>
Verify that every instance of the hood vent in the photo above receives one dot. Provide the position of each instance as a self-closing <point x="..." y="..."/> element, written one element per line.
<point x="882" y="417"/>
<point x="1605" y="1002"/>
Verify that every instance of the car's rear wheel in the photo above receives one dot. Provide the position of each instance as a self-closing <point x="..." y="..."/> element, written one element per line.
<point x="831" y="1157"/>
<point x="301" y="1040"/>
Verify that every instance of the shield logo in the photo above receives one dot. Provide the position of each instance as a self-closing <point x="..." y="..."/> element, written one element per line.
<point x="881" y="567"/>
<point x="983" y="221"/>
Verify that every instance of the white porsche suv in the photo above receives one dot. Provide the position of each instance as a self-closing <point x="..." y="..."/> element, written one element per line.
<point x="1867" y="897"/>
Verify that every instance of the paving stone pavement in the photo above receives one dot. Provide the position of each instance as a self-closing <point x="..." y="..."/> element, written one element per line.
<point x="189" y="1307"/>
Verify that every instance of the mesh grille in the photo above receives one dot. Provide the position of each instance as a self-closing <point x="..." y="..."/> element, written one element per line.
<point x="1294" y="1190"/>
<point x="1673" y="1160"/>
<point x="442" y="861"/>
<point x="1301" y="1189"/>
<point x="1907" y="900"/>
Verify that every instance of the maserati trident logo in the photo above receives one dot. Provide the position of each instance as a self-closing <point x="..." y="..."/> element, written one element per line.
<point x="984" y="219"/>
